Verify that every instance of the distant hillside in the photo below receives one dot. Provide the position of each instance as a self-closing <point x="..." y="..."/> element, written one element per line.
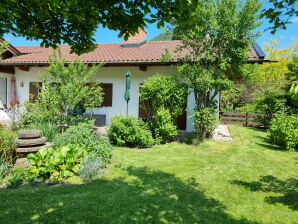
<point x="162" y="36"/>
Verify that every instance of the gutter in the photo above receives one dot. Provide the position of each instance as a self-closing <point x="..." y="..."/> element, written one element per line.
<point x="116" y="63"/>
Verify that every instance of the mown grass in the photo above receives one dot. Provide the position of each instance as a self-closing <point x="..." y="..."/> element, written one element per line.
<point x="245" y="182"/>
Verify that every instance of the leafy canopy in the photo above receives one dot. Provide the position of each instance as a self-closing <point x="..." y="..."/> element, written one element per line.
<point x="3" y="47"/>
<point x="280" y="13"/>
<point x="68" y="91"/>
<point x="262" y="77"/>
<point x="75" y="22"/>
<point x="216" y="39"/>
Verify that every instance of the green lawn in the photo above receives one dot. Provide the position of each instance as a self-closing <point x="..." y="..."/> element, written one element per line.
<point x="245" y="182"/>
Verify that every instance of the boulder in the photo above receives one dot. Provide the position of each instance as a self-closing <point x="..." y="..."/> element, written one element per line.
<point x="30" y="142"/>
<point x="22" y="163"/>
<point x="29" y="134"/>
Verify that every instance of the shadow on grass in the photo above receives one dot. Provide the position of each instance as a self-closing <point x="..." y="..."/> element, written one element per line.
<point x="289" y="189"/>
<point x="265" y="141"/>
<point x="258" y="129"/>
<point x="149" y="197"/>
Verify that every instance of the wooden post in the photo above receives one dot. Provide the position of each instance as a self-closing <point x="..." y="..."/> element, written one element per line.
<point x="246" y="119"/>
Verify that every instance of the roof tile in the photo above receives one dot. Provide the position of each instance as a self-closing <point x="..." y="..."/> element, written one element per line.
<point x="106" y="53"/>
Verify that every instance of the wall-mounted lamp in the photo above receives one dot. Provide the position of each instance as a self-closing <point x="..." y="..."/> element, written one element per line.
<point x="22" y="84"/>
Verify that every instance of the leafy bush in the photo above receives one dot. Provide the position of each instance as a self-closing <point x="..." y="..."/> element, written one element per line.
<point x="56" y="164"/>
<point x="83" y="135"/>
<point x="283" y="131"/>
<point x="129" y="131"/>
<point x="4" y="169"/>
<point x="247" y="108"/>
<point x="269" y="105"/>
<point x="17" y="177"/>
<point x="90" y="168"/>
<point x="164" y="91"/>
<point x="205" y="121"/>
<point x="7" y="145"/>
<point x="163" y="128"/>
<point x="68" y="91"/>
<point x="48" y="129"/>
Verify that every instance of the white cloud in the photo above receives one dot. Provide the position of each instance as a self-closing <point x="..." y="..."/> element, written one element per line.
<point x="294" y="20"/>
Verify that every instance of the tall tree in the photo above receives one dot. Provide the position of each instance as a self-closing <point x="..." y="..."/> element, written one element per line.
<point x="74" y="22"/>
<point x="216" y="39"/>
<point x="280" y="13"/>
<point x="3" y="47"/>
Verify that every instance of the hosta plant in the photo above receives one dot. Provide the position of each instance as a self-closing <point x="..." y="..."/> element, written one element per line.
<point x="56" y="164"/>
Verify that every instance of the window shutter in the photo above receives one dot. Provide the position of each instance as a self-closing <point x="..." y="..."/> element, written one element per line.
<point x="34" y="89"/>
<point x="107" y="89"/>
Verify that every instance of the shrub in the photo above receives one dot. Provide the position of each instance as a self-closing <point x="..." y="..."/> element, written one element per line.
<point x="83" y="135"/>
<point x="4" y="169"/>
<point x="68" y="91"/>
<point x="56" y="164"/>
<point x="283" y="131"/>
<point x="129" y="131"/>
<point x="269" y="105"/>
<point x="7" y="145"/>
<point x="163" y="128"/>
<point x="205" y="121"/>
<point x="248" y="108"/>
<point x="90" y="168"/>
<point x="48" y="129"/>
<point x="164" y="91"/>
<point x="17" y="177"/>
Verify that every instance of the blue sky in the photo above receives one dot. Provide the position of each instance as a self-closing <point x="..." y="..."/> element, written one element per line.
<point x="109" y="36"/>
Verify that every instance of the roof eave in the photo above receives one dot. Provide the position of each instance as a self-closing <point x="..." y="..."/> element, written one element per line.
<point x="259" y="60"/>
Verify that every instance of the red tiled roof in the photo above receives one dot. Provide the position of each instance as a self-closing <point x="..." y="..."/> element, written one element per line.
<point x="114" y="53"/>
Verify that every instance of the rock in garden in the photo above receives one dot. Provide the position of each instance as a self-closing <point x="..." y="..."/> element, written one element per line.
<point x="30" y="142"/>
<point x="33" y="148"/>
<point x="29" y="134"/>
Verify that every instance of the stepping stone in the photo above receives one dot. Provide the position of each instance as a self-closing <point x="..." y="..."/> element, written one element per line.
<point x="29" y="134"/>
<point x="32" y="148"/>
<point x="101" y="130"/>
<point x="30" y="142"/>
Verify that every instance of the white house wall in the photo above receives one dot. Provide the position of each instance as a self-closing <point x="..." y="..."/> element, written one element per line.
<point x="114" y="75"/>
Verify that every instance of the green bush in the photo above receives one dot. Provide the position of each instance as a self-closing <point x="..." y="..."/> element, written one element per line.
<point x="48" y="129"/>
<point x="164" y="91"/>
<point x="83" y="135"/>
<point x="90" y="168"/>
<point x="129" y="131"/>
<point x="7" y="145"/>
<point x="4" y="169"/>
<point x="283" y="131"/>
<point x="17" y="177"/>
<point x="67" y="92"/>
<point x="269" y="105"/>
<point x="163" y="127"/>
<point x="56" y="164"/>
<point x="205" y="121"/>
